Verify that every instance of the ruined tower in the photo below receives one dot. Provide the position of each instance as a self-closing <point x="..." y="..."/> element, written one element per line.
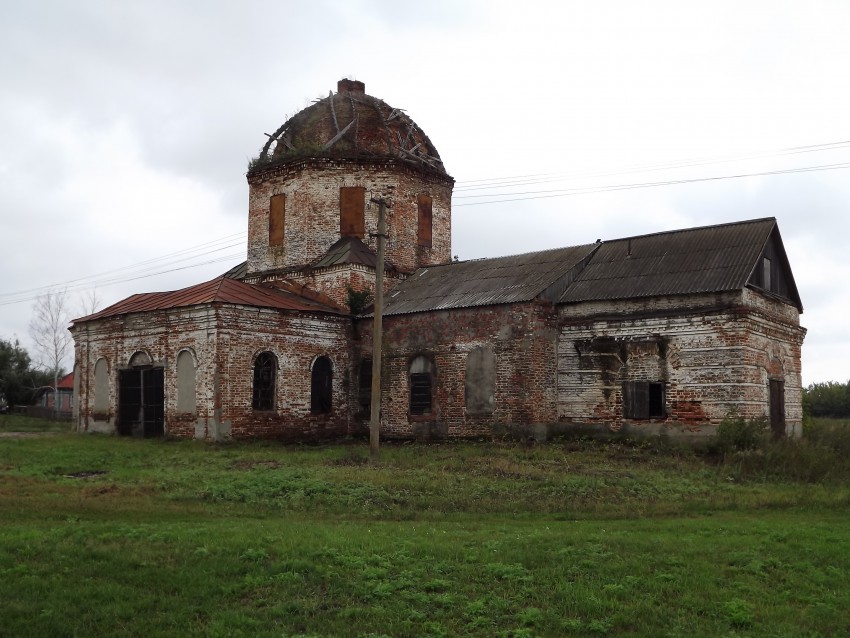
<point x="311" y="212"/>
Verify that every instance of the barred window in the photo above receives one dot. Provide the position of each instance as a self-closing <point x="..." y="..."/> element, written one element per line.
<point x="265" y="372"/>
<point x="421" y="385"/>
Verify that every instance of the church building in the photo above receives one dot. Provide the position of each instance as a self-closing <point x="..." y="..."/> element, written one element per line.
<point x="660" y="333"/>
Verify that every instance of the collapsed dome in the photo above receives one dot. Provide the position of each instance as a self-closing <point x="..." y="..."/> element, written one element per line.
<point x="349" y="124"/>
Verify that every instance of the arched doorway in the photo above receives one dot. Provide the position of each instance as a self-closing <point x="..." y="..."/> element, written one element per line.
<point x="141" y="398"/>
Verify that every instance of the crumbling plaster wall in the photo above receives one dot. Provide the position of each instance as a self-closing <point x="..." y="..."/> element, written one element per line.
<point x="714" y="354"/>
<point x="161" y="335"/>
<point x="312" y="216"/>
<point x="523" y="338"/>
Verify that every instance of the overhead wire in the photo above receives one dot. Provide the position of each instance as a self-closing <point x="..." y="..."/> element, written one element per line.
<point x="156" y="266"/>
<point x="675" y="164"/>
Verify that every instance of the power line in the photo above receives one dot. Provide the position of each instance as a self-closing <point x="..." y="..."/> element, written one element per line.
<point x="199" y="250"/>
<point x="153" y="267"/>
<point x="601" y="189"/>
<point x="540" y="178"/>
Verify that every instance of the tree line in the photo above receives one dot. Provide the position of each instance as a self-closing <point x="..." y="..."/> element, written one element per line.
<point x="20" y="378"/>
<point x="829" y="399"/>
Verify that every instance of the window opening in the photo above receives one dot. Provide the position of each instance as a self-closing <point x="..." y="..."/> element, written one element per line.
<point x="421" y="386"/>
<point x="766" y="281"/>
<point x="364" y="393"/>
<point x="423" y="204"/>
<point x="265" y="368"/>
<point x="277" y="219"/>
<point x="352" y="205"/>
<point x="643" y="400"/>
<point x="321" y="386"/>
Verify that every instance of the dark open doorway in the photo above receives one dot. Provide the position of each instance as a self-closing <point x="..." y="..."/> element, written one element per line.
<point x="777" y="408"/>
<point x="141" y="399"/>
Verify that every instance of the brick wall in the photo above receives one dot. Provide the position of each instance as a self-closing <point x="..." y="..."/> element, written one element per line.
<point x="224" y="341"/>
<point x="713" y="353"/>
<point x="312" y="213"/>
<point x="523" y="337"/>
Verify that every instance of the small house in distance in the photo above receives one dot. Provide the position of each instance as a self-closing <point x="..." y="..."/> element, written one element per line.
<point x="666" y="332"/>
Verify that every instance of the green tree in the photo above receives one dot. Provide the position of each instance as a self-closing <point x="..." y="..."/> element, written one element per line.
<point x="830" y="399"/>
<point x="18" y="378"/>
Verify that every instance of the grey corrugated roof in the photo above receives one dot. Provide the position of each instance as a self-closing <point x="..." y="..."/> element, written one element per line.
<point x="709" y="259"/>
<point x="697" y="260"/>
<point x="486" y="281"/>
<point x="348" y="250"/>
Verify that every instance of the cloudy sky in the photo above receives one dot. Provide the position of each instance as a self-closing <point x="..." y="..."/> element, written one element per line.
<point x="126" y="129"/>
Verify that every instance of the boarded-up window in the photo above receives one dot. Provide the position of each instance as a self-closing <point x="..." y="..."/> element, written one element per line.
<point x="277" y="218"/>
<point x="364" y="387"/>
<point x="186" y="401"/>
<point x="421" y="386"/>
<point x="101" y="387"/>
<point x="352" y="203"/>
<point x="423" y="204"/>
<point x="643" y="400"/>
<point x="480" y="386"/>
<point x="321" y="386"/>
<point x="265" y="371"/>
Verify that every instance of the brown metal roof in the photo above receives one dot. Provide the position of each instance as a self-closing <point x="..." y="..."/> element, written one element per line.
<point x="348" y="250"/>
<point x="220" y="290"/>
<point x="708" y="259"/>
<point x="486" y="281"/>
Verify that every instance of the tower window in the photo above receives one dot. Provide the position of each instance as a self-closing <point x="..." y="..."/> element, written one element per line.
<point x="423" y="204"/>
<point x="277" y="214"/>
<point x="352" y="203"/>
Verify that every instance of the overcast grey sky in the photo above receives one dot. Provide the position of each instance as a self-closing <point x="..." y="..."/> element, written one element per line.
<point x="126" y="129"/>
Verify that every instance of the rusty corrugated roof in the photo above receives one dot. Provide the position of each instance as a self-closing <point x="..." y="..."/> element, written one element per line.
<point x="697" y="260"/>
<point x="219" y="290"/>
<point x="485" y="282"/>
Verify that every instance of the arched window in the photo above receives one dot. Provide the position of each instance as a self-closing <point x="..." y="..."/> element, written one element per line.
<point x="265" y="373"/>
<point x="321" y="384"/>
<point x="101" y="387"/>
<point x="186" y="382"/>
<point x="421" y="385"/>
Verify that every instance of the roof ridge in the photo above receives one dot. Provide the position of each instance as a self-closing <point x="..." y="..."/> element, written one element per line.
<point x="685" y="230"/>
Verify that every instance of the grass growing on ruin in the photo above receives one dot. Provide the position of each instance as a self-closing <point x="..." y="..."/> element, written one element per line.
<point x="110" y="536"/>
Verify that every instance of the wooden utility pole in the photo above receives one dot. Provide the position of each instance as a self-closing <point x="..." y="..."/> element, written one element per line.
<point x="377" y="333"/>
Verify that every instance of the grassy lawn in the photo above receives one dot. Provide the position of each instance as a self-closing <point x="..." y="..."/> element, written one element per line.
<point x="17" y="423"/>
<point x="110" y="536"/>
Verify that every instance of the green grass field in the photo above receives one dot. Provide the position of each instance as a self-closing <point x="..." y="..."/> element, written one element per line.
<point x="105" y="536"/>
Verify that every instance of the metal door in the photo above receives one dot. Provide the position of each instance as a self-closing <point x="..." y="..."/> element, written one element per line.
<point x="141" y="402"/>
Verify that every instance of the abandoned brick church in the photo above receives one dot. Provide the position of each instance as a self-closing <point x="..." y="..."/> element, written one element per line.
<point x="667" y="332"/>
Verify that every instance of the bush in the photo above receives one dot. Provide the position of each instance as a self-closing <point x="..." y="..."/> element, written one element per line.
<point x="737" y="434"/>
